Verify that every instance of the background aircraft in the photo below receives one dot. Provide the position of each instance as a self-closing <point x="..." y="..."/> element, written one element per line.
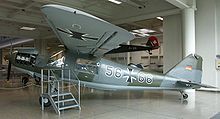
<point x="151" y="44"/>
<point x="87" y="37"/>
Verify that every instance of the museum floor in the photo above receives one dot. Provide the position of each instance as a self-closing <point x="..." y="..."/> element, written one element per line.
<point x="23" y="104"/>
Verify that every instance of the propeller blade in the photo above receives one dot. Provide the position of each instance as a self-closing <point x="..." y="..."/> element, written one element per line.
<point x="9" y="70"/>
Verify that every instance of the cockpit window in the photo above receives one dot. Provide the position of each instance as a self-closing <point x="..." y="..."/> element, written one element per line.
<point x="86" y="66"/>
<point x="57" y="63"/>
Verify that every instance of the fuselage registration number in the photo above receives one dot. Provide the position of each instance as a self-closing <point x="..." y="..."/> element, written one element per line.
<point x="129" y="74"/>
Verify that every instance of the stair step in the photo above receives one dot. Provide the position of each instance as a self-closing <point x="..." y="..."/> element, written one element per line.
<point x="51" y="76"/>
<point x="61" y="94"/>
<point x="68" y="107"/>
<point x="65" y="100"/>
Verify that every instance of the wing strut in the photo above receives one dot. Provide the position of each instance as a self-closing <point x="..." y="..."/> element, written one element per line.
<point x="106" y="41"/>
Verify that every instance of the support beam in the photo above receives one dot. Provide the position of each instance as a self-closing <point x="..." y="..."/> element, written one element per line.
<point x="27" y="5"/>
<point x="182" y="4"/>
<point x="4" y="5"/>
<point x="78" y="6"/>
<point x="14" y="42"/>
<point x="35" y="19"/>
<point x="26" y="21"/>
<point x="146" y="16"/>
<point x="136" y="3"/>
<point x="13" y="30"/>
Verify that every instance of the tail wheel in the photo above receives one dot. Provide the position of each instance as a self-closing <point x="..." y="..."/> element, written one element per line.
<point x="24" y="80"/>
<point x="185" y="96"/>
<point x="46" y="101"/>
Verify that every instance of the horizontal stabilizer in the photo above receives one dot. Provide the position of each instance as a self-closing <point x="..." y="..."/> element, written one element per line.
<point x="195" y="85"/>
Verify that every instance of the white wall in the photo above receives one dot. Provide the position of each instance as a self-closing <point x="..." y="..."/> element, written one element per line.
<point x="172" y="41"/>
<point x="142" y="57"/>
<point x="208" y="38"/>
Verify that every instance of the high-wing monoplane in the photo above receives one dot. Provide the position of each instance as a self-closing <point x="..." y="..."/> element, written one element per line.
<point x="89" y="38"/>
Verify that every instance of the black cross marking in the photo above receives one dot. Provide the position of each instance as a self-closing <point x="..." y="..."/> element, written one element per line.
<point x="130" y="78"/>
<point x="77" y="35"/>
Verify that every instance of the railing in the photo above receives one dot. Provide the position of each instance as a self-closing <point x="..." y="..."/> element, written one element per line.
<point x="53" y="78"/>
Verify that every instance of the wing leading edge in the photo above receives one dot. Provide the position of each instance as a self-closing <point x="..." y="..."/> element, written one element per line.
<point x="82" y="32"/>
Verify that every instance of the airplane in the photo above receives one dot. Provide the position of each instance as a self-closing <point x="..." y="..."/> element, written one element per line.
<point x="87" y="37"/>
<point x="151" y="44"/>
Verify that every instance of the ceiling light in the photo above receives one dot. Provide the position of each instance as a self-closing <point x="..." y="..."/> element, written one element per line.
<point x="27" y="28"/>
<point x="115" y="1"/>
<point x="140" y="34"/>
<point x="60" y="45"/>
<point x="144" y="31"/>
<point x="160" y="18"/>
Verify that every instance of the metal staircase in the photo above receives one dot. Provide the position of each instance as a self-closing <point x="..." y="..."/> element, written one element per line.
<point x="58" y="92"/>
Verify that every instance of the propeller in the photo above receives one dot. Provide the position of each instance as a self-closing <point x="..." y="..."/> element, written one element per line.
<point x="9" y="70"/>
<point x="9" y="62"/>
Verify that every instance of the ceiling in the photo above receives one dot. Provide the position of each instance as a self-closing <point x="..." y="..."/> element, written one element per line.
<point x="131" y="14"/>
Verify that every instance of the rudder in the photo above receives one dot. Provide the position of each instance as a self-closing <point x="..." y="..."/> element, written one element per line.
<point x="153" y="42"/>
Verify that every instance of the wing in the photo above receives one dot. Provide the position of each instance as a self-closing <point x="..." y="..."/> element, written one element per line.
<point x="83" y="33"/>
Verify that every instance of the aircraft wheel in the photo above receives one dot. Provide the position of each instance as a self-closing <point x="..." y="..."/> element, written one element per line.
<point x="185" y="96"/>
<point x="24" y="80"/>
<point x="46" y="101"/>
<point x="37" y="80"/>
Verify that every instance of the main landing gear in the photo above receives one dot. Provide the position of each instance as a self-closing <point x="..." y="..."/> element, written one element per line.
<point x="46" y="101"/>
<point x="185" y="96"/>
<point x="37" y="80"/>
<point x="24" y="80"/>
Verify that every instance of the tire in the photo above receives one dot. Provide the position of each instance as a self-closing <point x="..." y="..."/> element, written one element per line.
<point x="47" y="103"/>
<point x="185" y="96"/>
<point x="25" y="80"/>
<point x="37" y="80"/>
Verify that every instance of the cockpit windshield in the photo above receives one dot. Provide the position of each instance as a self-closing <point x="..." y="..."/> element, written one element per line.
<point x="82" y="65"/>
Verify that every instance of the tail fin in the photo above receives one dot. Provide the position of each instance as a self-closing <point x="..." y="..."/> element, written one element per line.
<point x="153" y="42"/>
<point x="190" y="68"/>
